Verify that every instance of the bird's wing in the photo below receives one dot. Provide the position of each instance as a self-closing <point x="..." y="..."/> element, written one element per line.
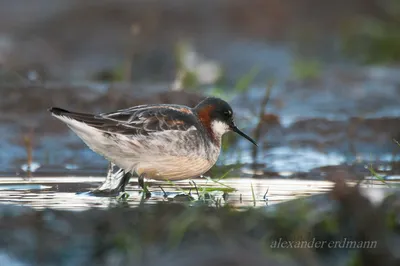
<point x="139" y="120"/>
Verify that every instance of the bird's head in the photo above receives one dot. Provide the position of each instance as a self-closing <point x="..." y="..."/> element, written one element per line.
<point x="217" y="116"/>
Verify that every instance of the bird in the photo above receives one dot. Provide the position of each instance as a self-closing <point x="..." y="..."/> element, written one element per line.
<point x="156" y="141"/>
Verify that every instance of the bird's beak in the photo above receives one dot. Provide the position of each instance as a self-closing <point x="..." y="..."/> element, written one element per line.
<point x="234" y="128"/>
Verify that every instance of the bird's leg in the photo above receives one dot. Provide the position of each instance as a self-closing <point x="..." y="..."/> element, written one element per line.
<point x="141" y="180"/>
<point x="109" y="178"/>
<point x="110" y="170"/>
<point x="115" y="182"/>
<point x="143" y="185"/>
<point x="124" y="181"/>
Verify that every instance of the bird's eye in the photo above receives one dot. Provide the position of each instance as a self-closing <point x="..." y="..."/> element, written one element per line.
<point x="228" y="113"/>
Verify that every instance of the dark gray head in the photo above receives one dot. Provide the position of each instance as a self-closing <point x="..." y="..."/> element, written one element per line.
<point x="217" y="116"/>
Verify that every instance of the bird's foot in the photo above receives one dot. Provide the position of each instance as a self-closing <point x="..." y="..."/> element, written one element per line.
<point x="145" y="190"/>
<point x="146" y="193"/>
<point x="113" y="185"/>
<point x="103" y="192"/>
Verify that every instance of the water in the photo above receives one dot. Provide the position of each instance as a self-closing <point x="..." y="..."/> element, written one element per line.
<point x="61" y="192"/>
<point x="69" y="193"/>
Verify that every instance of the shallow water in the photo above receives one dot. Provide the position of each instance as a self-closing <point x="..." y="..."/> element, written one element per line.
<point x="61" y="192"/>
<point x="70" y="192"/>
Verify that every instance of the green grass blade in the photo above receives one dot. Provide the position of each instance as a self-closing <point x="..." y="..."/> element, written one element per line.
<point x="253" y="195"/>
<point x="220" y="183"/>
<point x="375" y="174"/>
<point x="395" y="141"/>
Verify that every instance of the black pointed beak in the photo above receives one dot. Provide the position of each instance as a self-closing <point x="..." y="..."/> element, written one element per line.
<point x="234" y="128"/>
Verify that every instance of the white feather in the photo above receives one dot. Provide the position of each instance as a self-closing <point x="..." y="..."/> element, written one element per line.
<point x="219" y="128"/>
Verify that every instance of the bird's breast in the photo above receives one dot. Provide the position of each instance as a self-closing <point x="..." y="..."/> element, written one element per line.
<point x="173" y="168"/>
<point x="177" y="156"/>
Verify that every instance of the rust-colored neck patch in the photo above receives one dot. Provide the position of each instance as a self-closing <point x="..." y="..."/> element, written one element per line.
<point x="204" y="115"/>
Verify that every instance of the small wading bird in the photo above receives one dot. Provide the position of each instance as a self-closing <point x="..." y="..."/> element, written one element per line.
<point x="156" y="141"/>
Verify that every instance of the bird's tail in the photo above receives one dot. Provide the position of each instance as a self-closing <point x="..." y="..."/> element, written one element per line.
<point x="62" y="114"/>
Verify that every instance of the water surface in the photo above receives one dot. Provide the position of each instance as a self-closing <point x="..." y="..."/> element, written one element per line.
<point x="66" y="192"/>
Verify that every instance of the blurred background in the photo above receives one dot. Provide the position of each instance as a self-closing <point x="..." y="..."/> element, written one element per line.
<point x="316" y="82"/>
